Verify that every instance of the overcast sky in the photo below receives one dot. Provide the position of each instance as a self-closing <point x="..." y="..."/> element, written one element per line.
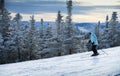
<point x="83" y="10"/>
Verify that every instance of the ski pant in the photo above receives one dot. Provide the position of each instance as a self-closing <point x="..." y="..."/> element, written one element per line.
<point x="94" y="49"/>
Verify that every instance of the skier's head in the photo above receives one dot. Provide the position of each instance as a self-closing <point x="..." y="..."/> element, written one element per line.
<point x="89" y="33"/>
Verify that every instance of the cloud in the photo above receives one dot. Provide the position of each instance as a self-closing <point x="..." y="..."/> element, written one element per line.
<point x="51" y="6"/>
<point x="118" y="1"/>
<point x="82" y="10"/>
<point x="88" y="9"/>
<point x="35" y="6"/>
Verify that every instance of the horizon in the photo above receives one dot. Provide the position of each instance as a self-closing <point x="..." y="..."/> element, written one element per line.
<point x="83" y="11"/>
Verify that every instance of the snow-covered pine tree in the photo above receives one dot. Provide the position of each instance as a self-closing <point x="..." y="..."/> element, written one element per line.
<point x="41" y="30"/>
<point x="8" y="51"/>
<point x="48" y="32"/>
<point x="51" y="44"/>
<point x="31" y="38"/>
<point x="97" y="30"/>
<point x="104" y="43"/>
<point x="60" y="33"/>
<point x="107" y="22"/>
<point x="58" y="22"/>
<point x="114" y="20"/>
<point x="70" y="32"/>
<point x="17" y="21"/>
<point x="24" y="53"/>
<point x="114" y="30"/>
<point x="111" y="34"/>
<point x="18" y="33"/>
<point x="2" y="53"/>
<point x="40" y="41"/>
<point x="61" y="26"/>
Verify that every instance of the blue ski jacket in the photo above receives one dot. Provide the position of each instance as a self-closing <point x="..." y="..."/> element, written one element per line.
<point x="93" y="39"/>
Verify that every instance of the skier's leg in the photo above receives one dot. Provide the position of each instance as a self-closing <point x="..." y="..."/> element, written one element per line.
<point x="95" y="50"/>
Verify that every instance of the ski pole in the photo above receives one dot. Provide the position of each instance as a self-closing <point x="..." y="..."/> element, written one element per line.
<point x="104" y="52"/>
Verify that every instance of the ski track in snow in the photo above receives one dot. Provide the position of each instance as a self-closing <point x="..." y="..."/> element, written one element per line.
<point x="80" y="64"/>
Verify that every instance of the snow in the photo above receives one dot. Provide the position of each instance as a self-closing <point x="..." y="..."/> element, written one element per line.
<point x="80" y="64"/>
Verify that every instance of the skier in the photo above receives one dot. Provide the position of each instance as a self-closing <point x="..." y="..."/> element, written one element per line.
<point x="93" y="40"/>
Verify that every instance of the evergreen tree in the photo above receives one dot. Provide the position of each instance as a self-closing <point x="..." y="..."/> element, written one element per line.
<point x="17" y="20"/>
<point x="59" y="22"/>
<point x="107" y="22"/>
<point x="18" y="33"/>
<point x="110" y="37"/>
<point x="32" y="39"/>
<point x="69" y="26"/>
<point x="41" y="28"/>
<point x="48" y="32"/>
<point x="24" y="43"/>
<point x="8" y="44"/>
<point x="114" y="30"/>
<point x="97" y="30"/>
<point x="113" y="23"/>
<point x="40" y="41"/>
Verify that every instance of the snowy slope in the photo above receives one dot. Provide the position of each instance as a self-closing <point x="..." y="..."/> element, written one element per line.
<point x="80" y="64"/>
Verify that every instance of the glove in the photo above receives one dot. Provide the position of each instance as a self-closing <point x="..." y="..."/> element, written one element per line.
<point x="89" y="41"/>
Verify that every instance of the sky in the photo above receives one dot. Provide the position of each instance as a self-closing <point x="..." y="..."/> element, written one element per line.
<point x="83" y="10"/>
